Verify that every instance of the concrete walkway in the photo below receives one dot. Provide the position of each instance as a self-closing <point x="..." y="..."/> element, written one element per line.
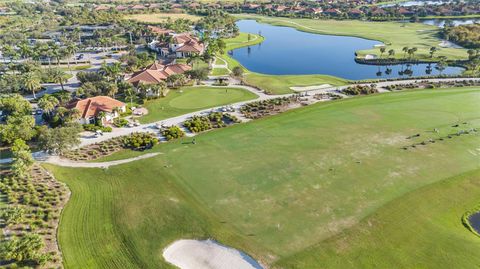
<point x="67" y="163"/>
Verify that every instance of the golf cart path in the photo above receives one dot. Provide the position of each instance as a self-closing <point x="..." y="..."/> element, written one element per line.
<point x="67" y="163"/>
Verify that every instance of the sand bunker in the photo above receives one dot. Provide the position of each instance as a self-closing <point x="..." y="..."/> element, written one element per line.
<point x="207" y="254"/>
<point x="310" y="88"/>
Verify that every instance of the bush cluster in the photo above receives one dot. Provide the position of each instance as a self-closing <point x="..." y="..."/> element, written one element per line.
<point x="173" y="132"/>
<point x="94" y="128"/>
<point x="360" y="90"/>
<point x="140" y="141"/>
<point x="198" y="124"/>
<point x="120" y="122"/>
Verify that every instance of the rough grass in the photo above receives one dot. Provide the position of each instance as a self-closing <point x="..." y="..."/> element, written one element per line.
<point x="283" y="187"/>
<point x="188" y="99"/>
<point x="161" y="17"/>
<point x="395" y="35"/>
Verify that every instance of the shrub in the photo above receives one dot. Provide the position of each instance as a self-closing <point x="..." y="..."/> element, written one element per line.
<point x="173" y="132"/>
<point x="119" y="122"/>
<point x="237" y="71"/>
<point x="94" y="128"/>
<point x="198" y="124"/>
<point x="140" y="141"/>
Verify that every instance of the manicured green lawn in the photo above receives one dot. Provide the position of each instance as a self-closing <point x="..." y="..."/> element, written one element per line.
<point x="395" y="35"/>
<point x="189" y="99"/>
<point x="289" y="188"/>
<point x="281" y="84"/>
<point x="419" y="230"/>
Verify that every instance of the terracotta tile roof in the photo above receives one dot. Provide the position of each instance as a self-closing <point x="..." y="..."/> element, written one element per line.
<point x="182" y="38"/>
<point x="101" y="7"/>
<point x="191" y="46"/>
<point x="158" y="72"/>
<point x="90" y="107"/>
<point x="137" y="7"/>
<point x="156" y="66"/>
<point x="158" y="30"/>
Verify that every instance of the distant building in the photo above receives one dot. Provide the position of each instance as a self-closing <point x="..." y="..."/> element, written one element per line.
<point x="90" y="108"/>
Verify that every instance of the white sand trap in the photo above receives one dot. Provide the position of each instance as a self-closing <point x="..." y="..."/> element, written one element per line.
<point x="311" y="88"/>
<point x="207" y="254"/>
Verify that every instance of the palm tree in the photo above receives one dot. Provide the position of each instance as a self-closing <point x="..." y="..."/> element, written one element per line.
<point x="25" y="50"/>
<point x="391" y="53"/>
<point x="130" y="94"/>
<point x="432" y="51"/>
<point x="48" y="103"/>
<point x="58" y="76"/>
<point x="70" y="50"/>
<point x="382" y="51"/>
<point x="31" y="82"/>
<point x="405" y="50"/>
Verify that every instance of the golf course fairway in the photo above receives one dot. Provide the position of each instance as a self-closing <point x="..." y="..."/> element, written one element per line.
<point x="329" y="185"/>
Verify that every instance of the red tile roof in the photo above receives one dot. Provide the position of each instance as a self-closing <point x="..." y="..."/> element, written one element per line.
<point x="158" y="72"/>
<point x="90" y="107"/>
<point x="160" y="31"/>
<point x="191" y="46"/>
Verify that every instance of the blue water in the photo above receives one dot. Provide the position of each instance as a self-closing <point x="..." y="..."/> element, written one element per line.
<point x="475" y="221"/>
<point x="287" y="51"/>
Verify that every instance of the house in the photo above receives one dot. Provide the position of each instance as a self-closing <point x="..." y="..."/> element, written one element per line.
<point x="405" y="12"/>
<point x="355" y="13"/>
<point x="154" y="5"/>
<point x="280" y="8"/>
<point x="157" y="72"/>
<point x="379" y="12"/>
<point x="121" y="8"/>
<point x="91" y="108"/>
<point x="332" y="12"/>
<point x="102" y="8"/>
<point x="180" y="45"/>
<point x="159" y="31"/>
<point x="137" y="7"/>
<point x="314" y="10"/>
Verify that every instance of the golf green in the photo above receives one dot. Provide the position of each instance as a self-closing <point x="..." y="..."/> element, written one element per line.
<point x="189" y="99"/>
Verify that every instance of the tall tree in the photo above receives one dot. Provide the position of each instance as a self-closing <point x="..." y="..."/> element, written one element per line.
<point x="31" y="82"/>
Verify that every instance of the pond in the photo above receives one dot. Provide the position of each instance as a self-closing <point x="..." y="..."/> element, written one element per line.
<point x="287" y="51"/>
<point x="456" y="22"/>
<point x="474" y="221"/>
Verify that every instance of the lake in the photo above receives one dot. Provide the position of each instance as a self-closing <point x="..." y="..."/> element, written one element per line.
<point x="287" y="51"/>
<point x="456" y="22"/>
<point x="474" y="220"/>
